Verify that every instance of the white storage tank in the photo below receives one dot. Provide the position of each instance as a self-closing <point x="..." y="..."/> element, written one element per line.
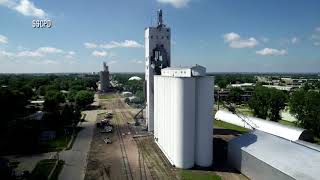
<point x="204" y="117"/>
<point x="174" y="110"/>
<point x="183" y="117"/>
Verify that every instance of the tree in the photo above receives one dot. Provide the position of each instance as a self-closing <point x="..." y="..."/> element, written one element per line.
<point x="222" y="83"/>
<point x="276" y="103"/>
<point x="52" y="100"/>
<point x="267" y="102"/>
<point x="297" y="103"/>
<point x="259" y="102"/>
<point x="140" y="95"/>
<point x="84" y="98"/>
<point x="67" y="115"/>
<point x="235" y="95"/>
<point x="306" y="105"/>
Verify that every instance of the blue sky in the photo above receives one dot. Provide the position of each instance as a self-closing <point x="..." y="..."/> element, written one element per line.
<point x="223" y="35"/>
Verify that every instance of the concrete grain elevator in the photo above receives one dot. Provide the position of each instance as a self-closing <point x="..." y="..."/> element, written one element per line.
<point x="157" y="57"/>
<point x="179" y="103"/>
<point x="104" y="78"/>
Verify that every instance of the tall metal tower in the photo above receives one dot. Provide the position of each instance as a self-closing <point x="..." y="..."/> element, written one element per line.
<point x="157" y="57"/>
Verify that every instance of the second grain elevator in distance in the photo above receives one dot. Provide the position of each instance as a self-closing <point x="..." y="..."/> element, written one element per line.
<point x="104" y="78"/>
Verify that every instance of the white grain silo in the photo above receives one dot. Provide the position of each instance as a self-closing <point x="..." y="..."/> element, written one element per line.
<point x="183" y="101"/>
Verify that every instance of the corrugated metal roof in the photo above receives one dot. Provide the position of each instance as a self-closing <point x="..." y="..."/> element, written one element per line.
<point x="291" y="158"/>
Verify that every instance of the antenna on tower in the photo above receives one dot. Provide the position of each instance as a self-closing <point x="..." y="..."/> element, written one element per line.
<point x="159" y="17"/>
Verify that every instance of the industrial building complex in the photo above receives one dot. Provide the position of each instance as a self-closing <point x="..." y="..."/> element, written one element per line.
<point x="179" y="103"/>
<point x="179" y="113"/>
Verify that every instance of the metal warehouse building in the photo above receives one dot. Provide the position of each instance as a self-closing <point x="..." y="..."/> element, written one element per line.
<point x="183" y="101"/>
<point x="262" y="156"/>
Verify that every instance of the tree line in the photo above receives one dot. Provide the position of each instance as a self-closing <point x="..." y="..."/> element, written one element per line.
<point x="64" y="97"/>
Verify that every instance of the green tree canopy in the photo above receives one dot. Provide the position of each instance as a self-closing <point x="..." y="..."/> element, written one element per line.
<point x="267" y="102"/>
<point x="259" y="102"/>
<point x="84" y="98"/>
<point x="306" y="105"/>
<point x="235" y="95"/>
<point x="277" y="102"/>
<point x="52" y="100"/>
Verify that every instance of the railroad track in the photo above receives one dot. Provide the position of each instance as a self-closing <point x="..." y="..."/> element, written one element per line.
<point x="142" y="168"/>
<point x="123" y="116"/>
<point x="127" y="168"/>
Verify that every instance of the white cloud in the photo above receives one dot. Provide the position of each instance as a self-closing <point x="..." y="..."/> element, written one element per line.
<point x="114" y="44"/>
<point x="315" y="37"/>
<point x="136" y="61"/>
<point x="99" y="53"/>
<point x="70" y="55"/>
<point x="244" y="43"/>
<point x="29" y="54"/>
<point x="317" y="29"/>
<point x="90" y="45"/>
<point x="124" y="44"/>
<point x="24" y="7"/>
<point x="27" y="8"/>
<point x="316" y="43"/>
<point x="48" y="62"/>
<point x="294" y="40"/>
<point x="49" y="50"/>
<point x="39" y="52"/>
<point x="235" y="41"/>
<point x="231" y="37"/>
<point x="6" y="54"/>
<point x="272" y="52"/>
<point x="175" y="3"/>
<point x="264" y="39"/>
<point x="112" y="62"/>
<point x="43" y="62"/>
<point x="3" y="39"/>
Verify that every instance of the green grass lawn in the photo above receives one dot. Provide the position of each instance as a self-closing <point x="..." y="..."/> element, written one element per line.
<point x="198" y="175"/>
<point x="107" y="96"/>
<point x="56" y="172"/>
<point x="43" y="169"/>
<point x="58" y="143"/>
<point x="288" y="123"/>
<point x="225" y="125"/>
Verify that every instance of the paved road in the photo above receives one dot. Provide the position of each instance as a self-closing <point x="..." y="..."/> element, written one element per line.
<point x="76" y="158"/>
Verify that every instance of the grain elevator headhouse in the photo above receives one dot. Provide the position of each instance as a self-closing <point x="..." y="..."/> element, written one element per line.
<point x="157" y="57"/>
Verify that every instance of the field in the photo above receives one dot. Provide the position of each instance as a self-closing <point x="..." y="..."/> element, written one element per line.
<point x="225" y="125"/>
